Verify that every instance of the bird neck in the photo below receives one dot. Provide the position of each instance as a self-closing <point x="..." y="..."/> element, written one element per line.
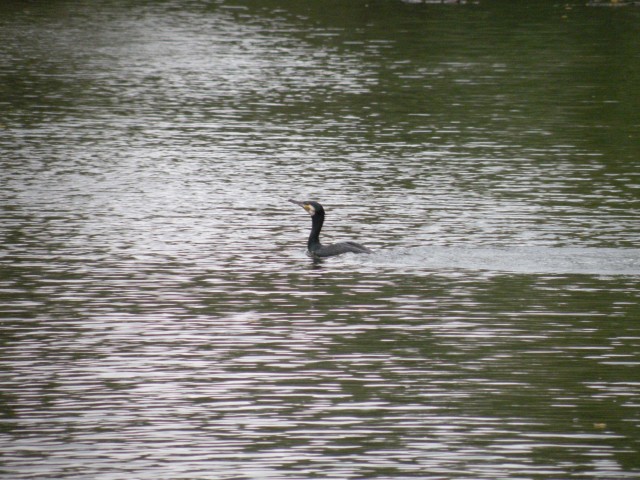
<point x="314" y="237"/>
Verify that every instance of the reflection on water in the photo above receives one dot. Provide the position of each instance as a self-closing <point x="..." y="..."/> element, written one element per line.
<point x="161" y="320"/>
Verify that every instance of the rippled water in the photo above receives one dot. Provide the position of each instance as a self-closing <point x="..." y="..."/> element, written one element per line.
<point x="159" y="316"/>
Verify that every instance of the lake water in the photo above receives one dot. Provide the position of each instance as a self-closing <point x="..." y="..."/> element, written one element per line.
<point x="159" y="316"/>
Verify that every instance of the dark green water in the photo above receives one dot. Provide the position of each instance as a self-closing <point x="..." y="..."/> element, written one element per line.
<point x="159" y="317"/>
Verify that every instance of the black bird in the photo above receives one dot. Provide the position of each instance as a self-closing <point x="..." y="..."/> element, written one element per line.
<point x="314" y="247"/>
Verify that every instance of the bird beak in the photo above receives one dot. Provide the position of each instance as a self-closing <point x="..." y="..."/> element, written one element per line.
<point x="308" y="208"/>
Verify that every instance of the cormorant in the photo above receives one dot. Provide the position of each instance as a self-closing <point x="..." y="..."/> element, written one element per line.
<point x="314" y="247"/>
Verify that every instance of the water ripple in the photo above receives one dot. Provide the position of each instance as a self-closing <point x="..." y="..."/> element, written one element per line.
<point x="160" y="318"/>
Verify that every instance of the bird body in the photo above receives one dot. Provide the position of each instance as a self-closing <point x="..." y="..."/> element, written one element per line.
<point x="314" y="247"/>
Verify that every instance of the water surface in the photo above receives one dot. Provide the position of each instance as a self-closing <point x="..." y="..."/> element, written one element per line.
<point x="159" y="316"/>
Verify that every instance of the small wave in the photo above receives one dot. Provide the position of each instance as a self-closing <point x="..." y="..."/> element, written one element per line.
<point x="559" y="260"/>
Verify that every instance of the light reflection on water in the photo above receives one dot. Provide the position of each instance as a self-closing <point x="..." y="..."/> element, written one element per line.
<point x="160" y="317"/>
